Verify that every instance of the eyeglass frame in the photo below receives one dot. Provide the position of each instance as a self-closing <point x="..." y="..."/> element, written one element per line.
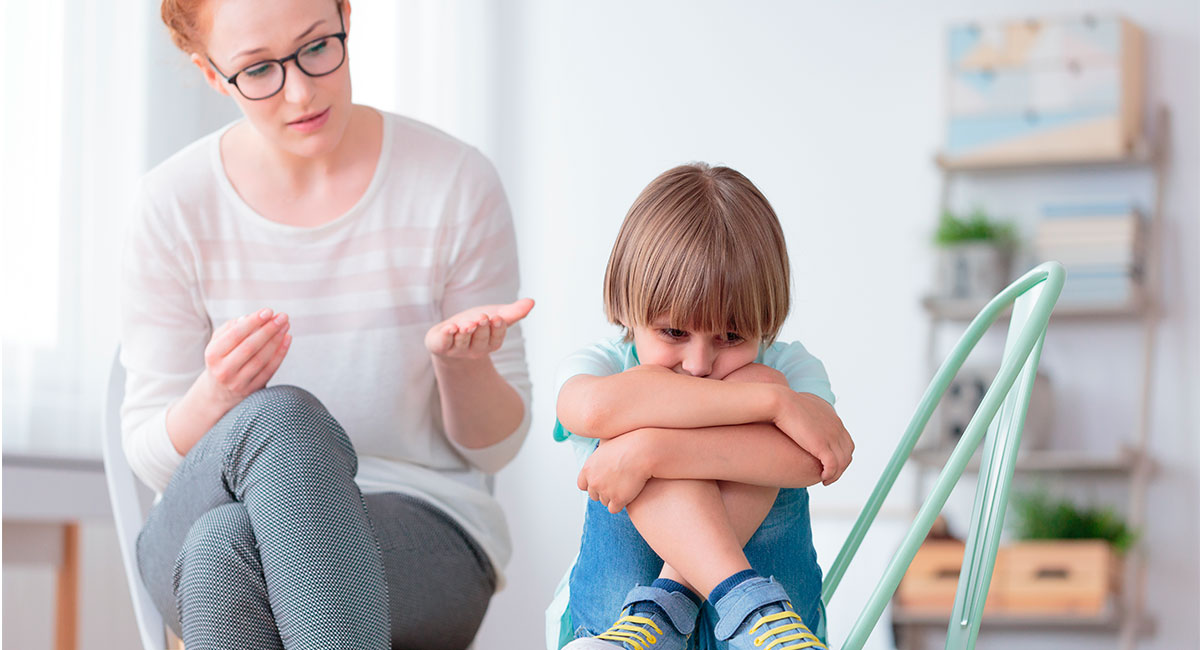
<point x="294" y="56"/>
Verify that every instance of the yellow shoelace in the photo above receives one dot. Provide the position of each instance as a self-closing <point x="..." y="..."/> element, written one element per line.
<point x="803" y="637"/>
<point x="629" y="629"/>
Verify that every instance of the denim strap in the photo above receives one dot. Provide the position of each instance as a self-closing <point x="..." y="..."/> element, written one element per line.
<point x="742" y="601"/>
<point x="679" y="608"/>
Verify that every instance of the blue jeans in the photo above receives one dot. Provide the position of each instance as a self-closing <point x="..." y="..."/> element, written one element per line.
<point x="613" y="558"/>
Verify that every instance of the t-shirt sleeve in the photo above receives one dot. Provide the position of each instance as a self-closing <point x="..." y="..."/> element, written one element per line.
<point x="164" y="330"/>
<point x="804" y="372"/>
<point x="601" y="360"/>
<point x="480" y="248"/>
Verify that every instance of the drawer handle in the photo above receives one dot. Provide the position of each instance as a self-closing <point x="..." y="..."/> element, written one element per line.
<point x="1053" y="573"/>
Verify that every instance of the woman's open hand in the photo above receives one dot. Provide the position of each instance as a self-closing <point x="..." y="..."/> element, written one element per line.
<point x="243" y="354"/>
<point x="476" y="332"/>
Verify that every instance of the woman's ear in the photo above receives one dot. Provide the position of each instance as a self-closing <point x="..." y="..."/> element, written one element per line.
<point x="214" y="80"/>
<point x="346" y="16"/>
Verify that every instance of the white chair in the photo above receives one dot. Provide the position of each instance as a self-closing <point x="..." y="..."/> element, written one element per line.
<point x="130" y="501"/>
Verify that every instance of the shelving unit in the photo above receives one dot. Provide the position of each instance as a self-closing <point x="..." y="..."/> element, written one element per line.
<point x="1130" y="462"/>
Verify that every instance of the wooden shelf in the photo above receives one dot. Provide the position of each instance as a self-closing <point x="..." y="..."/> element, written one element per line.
<point x="1141" y="154"/>
<point x="1049" y="461"/>
<point x="954" y="309"/>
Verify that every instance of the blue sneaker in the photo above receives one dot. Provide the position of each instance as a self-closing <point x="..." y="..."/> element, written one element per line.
<point x="757" y="615"/>
<point x="643" y="630"/>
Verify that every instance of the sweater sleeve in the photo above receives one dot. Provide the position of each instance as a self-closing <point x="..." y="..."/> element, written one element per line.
<point x="480" y="266"/>
<point x="164" y="330"/>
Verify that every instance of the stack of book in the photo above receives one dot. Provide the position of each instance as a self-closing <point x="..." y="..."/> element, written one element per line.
<point x="1100" y="245"/>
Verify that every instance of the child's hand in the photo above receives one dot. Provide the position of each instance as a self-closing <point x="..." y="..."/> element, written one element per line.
<point x="813" y="424"/>
<point x="616" y="472"/>
<point x="476" y="332"/>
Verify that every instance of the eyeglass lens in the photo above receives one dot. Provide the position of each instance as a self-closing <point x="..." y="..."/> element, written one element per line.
<point x="319" y="57"/>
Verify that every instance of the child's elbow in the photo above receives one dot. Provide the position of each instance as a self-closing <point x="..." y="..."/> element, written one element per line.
<point x="588" y="418"/>
<point x="757" y="373"/>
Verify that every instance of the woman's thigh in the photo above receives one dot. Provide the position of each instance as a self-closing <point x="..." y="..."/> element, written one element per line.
<point x="439" y="580"/>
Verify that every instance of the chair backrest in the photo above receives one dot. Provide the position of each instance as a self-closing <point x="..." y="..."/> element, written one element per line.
<point x="125" y="493"/>
<point x="997" y="423"/>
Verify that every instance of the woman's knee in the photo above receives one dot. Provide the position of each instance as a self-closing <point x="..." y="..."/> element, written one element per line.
<point x="220" y="546"/>
<point x="286" y="416"/>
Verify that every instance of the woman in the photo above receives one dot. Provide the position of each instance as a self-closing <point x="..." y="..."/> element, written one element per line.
<point x="364" y="265"/>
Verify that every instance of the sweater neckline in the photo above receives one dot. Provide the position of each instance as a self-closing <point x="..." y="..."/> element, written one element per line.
<point x="303" y="232"/>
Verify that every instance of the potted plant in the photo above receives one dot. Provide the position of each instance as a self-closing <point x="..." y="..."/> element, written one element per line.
<point x="1069" y="559"/>
<point x="1040" y="517"/>
<point x="974" y="255"/>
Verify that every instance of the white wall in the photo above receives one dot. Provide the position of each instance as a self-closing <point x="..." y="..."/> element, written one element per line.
<point x="835" y="111"/>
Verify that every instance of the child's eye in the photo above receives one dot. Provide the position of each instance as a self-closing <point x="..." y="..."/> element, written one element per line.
<point x="671" y="332"/>
<point x="731" y="338"/>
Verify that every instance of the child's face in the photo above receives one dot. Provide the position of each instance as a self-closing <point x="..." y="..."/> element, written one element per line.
<point x="699" y="354"/>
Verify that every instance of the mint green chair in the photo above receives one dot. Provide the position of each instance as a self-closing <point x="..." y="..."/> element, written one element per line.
<point x="1001" y="416"/>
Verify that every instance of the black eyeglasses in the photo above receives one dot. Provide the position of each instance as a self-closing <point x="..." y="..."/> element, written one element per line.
<point x="315" y="58"/>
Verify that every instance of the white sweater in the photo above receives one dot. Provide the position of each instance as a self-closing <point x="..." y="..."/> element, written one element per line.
<point x="431" y="236"/>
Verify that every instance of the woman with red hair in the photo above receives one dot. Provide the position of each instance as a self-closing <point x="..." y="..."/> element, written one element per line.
<point x="319" y="325"/>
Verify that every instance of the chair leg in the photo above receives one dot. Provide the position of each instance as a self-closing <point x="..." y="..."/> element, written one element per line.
<point x="66" y="605"/>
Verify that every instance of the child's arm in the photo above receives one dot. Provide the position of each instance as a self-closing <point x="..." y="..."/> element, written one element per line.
<point x="652" y="396"/>
<point x="755" y="454"/>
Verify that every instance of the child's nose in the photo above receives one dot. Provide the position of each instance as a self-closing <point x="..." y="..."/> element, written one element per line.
<point x="699" y="361"/>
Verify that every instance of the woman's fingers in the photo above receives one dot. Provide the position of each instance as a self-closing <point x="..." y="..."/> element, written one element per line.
<point x="482" y="339"/>
<point x="237" y="331"/>
<point x="246" y="375"/>
<point x="515" y="311"/>
<point x="469" y="335"/>
<point x="253" y="343"/>
<point x="499" y="329"/>
<point x="441" y="338"/>
<point x="260" y="380"/>
<point x="462" y="340"/>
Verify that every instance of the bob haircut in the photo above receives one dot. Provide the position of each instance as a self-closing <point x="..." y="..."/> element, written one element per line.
<point x="703" y="246"/>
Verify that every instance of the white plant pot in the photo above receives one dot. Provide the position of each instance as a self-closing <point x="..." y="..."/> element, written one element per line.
<point x="971" y="271"/>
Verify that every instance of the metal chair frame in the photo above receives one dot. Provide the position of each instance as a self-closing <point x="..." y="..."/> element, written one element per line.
<point x="998" y="424"/>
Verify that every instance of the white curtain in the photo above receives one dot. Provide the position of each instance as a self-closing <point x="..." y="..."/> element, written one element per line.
<point x="94" y="95"/>
<point x="73" y="148"/>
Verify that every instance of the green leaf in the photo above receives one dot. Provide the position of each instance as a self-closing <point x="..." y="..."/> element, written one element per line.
<point x="1040" y="517"/>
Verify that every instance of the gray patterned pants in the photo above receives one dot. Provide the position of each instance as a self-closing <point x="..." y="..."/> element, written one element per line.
<point x="263" y="540"/>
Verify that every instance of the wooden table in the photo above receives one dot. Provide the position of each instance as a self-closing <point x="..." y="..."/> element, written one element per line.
<point x="46" y="497"/>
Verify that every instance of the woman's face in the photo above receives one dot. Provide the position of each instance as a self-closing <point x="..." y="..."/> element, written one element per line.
<point x="309" y="115"/>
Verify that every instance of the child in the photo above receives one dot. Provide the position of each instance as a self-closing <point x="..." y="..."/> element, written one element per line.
<point x="690" y="426"/>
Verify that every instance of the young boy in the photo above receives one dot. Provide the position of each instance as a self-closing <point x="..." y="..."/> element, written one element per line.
<point x="699" y="434"/>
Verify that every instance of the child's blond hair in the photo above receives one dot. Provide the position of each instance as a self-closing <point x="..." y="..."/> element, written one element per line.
<point x="702" y="245"/>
